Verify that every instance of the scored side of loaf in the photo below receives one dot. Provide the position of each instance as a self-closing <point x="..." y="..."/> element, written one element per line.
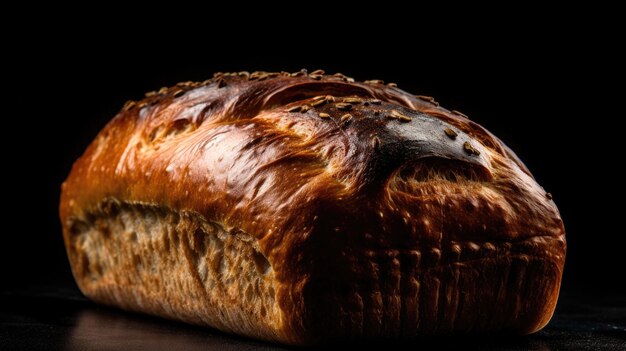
<point x="303" y="207"/>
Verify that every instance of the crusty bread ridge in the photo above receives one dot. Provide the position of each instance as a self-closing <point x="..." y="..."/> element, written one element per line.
<point x="303" y="208"/>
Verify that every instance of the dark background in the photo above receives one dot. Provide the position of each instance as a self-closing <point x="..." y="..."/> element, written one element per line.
<point x="551" y="90"/>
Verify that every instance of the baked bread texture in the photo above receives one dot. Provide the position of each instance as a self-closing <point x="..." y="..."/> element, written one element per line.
<point x="304" y="208"/>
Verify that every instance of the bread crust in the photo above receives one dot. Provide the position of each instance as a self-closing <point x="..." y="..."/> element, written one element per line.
<point x="380" y="213"/>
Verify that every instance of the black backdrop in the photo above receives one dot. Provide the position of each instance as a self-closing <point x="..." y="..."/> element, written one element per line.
<point x="547" y="93"/>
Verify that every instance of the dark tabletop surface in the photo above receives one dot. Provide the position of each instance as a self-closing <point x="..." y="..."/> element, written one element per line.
<point x="49" y="318"/>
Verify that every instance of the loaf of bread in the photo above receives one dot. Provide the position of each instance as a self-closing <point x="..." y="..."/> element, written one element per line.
<point x="304" y="208"/>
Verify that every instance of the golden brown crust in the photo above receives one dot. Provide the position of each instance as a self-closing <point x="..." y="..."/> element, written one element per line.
<point x="379" y="211"/>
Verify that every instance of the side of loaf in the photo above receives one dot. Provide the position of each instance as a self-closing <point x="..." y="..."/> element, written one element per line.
<point x="303" y="208"/>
